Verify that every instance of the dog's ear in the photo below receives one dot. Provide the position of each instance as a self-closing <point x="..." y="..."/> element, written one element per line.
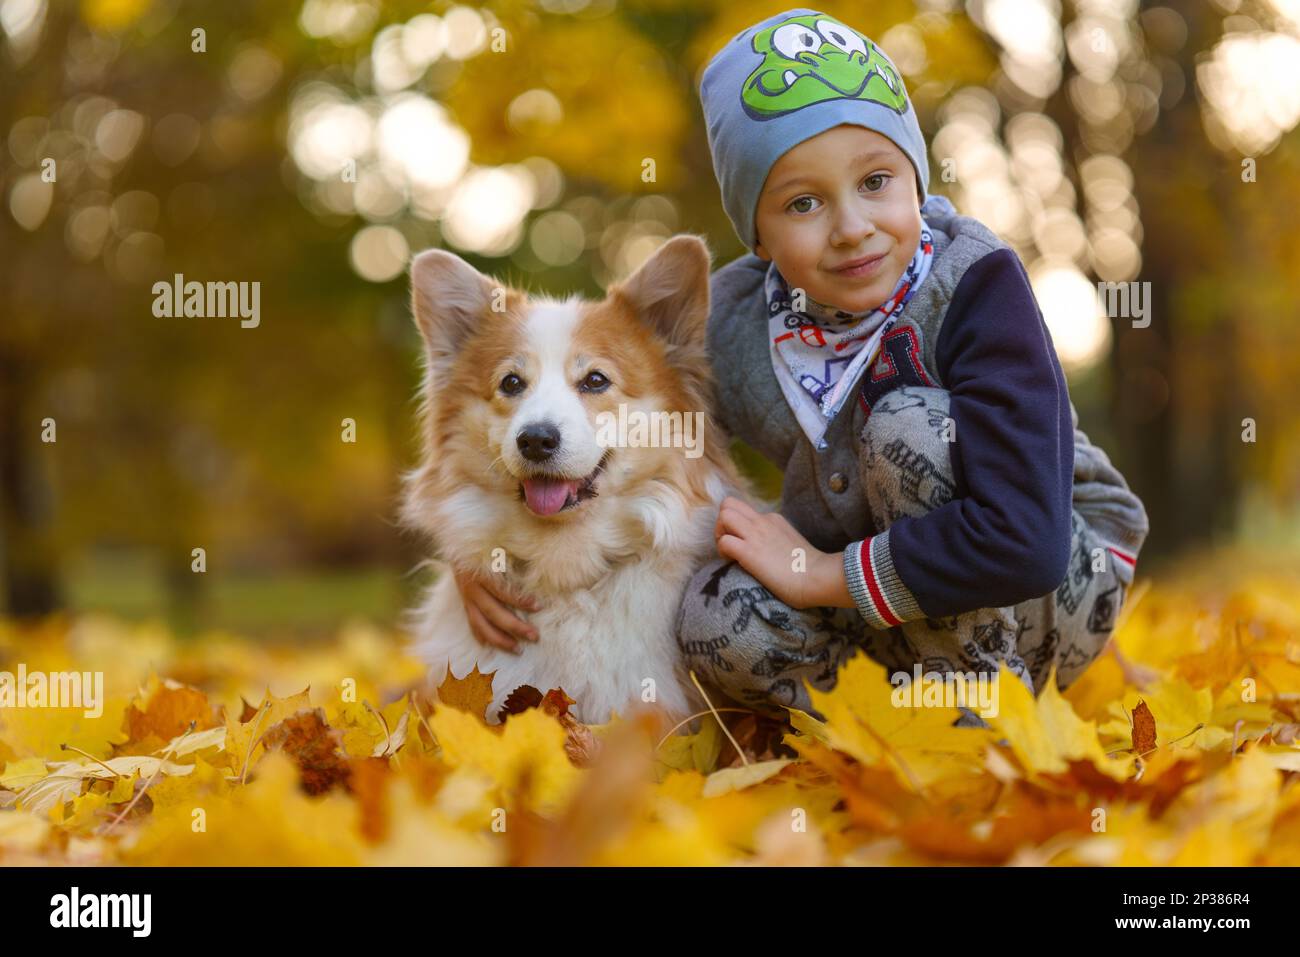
<point x="449" y="297"/>
<point x="670" y="292"/>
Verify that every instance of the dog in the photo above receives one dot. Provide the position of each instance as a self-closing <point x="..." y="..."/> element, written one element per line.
<point x="519" y="478"/>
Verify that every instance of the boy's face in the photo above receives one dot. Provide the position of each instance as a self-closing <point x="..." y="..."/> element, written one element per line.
<point x="841" y="196"/>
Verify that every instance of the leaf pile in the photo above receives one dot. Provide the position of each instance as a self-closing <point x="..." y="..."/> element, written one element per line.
<point x="1181" y="745"/>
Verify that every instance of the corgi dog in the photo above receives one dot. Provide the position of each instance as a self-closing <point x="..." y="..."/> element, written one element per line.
<point x="526" y="473"/>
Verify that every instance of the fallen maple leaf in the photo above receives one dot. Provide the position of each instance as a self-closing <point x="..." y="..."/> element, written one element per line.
<point x="473" y="693"/>
<point x="918" y="742"/>
<point x="164" y="710"/>
<point x="1044" y="733"/>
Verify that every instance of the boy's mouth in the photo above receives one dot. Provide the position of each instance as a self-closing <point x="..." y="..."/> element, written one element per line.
<point x="863" y="266"/>
<point x="548" y="495"/>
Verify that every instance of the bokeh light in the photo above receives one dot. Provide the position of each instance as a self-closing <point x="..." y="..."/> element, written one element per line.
<point x="1072" y="312"/>
<point x="379" y="253"/>
<point x="1251" y="85"/>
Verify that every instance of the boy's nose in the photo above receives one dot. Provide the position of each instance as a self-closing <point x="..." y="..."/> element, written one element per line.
<point x="851" y="227"/>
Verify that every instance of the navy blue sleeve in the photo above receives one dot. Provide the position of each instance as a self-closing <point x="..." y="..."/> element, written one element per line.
<point x="1005" y="536"/>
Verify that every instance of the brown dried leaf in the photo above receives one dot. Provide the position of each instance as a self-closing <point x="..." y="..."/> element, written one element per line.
<point x="519" y="701"/>
<point x="1144" y="729"/>
<point x="314" y="746"/>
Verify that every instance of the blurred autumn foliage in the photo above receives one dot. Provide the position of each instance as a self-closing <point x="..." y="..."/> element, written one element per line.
<point x="312" y="146"/>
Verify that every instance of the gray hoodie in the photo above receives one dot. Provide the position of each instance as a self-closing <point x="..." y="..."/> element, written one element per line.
<point x="820" y="496"/>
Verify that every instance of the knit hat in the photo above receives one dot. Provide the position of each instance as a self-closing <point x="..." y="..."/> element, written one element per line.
<point x="787" y="79"/>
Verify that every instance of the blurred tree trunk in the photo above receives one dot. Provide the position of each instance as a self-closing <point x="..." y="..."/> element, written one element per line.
<point x="1178" y="433"/>
<point x="27" y="554"/>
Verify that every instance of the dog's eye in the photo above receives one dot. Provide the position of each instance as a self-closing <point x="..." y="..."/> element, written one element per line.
<point x="512" y="384"/>
<point x="594" y="382"/>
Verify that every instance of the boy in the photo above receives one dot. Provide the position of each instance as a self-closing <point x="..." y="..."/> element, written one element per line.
<point x="890" y="357"/>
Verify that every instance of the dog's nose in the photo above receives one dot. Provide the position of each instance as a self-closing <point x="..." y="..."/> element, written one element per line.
<point x="538" y="442"/>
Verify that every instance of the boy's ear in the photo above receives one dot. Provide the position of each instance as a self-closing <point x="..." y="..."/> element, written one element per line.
<point x="449" y="298"/>
<point x="670" y="292"/>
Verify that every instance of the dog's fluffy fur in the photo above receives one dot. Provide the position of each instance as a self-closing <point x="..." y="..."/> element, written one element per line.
<point x="610" y="567"/>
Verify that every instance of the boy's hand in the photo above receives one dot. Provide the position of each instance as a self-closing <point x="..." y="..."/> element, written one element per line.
<point x="765" y="545"/>
<point x="488" y="607"/>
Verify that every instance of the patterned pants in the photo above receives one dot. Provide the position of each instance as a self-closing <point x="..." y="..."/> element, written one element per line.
<point x="758" y="651"/>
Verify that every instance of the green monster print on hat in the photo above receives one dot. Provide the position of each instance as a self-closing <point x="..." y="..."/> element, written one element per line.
<point x="810" y="59"/>
<point x="786" y="79"/>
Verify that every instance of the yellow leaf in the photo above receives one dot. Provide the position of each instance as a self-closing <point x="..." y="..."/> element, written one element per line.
<point x="805" y="723"/>
<point x="1044" y="732"/>
<point x="699" y="751"/>
<point x="423" y="836"/>
<point x="40" y="732"/>
<point x="707" y="745"/>
<point x="243" y="740"/>
<point x="267" y="822"/>
<point x="368" y="731"/>
<point x="739" y="778"/>
<point x="184" y="744"/>
<point x="677" y="753"/>
<point x="207" y="783"/>
<point x="529" y="744"/>
<point x="1282" y="758"/>
<point x="22" y="833"/>
<point x="20" y="774"/>
<point x="676" y="837"/>
<point x="920" y="743"/>
<point x="1184" y="715"/>
<point x="84" y="808"/>
<point x="1233" y="813"/>
<point x="64" y="781"/>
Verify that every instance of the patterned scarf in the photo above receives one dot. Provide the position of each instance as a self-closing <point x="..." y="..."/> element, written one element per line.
<point x="819" y="354"/>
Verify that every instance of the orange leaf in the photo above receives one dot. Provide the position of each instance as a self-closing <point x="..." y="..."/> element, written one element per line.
<point x="473" y="693"/>
<point x="1144" y="729"/>
<point x="165" y="714"/>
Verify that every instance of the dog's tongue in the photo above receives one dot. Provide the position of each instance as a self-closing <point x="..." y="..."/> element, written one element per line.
<point x="547" y="496"/>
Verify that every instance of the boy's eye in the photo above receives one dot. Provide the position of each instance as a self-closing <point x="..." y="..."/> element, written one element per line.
<point x="876" y="178"/>
<point x="801" y="199"/>
<point x="512" y="384"/>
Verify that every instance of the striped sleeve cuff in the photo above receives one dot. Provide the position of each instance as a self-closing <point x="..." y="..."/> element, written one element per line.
<point x="879" y="593"/>
<point x="1124" y="555"/>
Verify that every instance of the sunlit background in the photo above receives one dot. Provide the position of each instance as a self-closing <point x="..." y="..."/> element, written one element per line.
<point x="315" y="147"/>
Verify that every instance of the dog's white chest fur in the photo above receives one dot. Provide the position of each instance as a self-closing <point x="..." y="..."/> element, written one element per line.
<point x="607" y="646"/>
